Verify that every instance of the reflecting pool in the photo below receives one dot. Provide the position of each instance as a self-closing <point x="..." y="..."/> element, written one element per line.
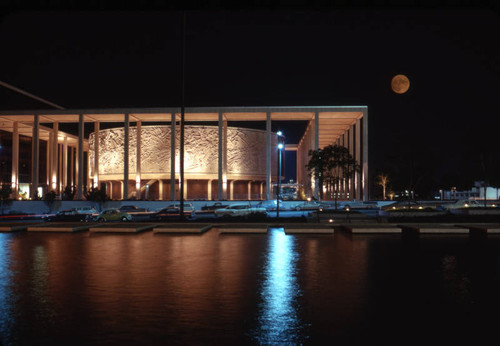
<point x="248" y="289"/>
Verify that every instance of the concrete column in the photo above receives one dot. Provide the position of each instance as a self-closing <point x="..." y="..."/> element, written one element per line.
<point x="35" y="159"/>
<point x="364" y="178"/>
<point x="125" y="155"/>
<point x="15" y="160"/>
<point x="65" y="163"/>
<point x="209" y="190"/>
<point x="316" y="131"/>
<point x="315" y="137"/>
<point x="138" y="161"/>
<point x="341" y="188"/>
<point x="79" y="165"/>
<point x="357" y="176"/>
<point x="49" y="157"/>
<point x="299" y="166"/>
<point x="71" y="169"/>
<point x="160" y="190"/>
<point x="89" y="180"/>
<point x="172" y="157"/>
<point x="231" y="190"/>
<point x="96" y="154"/>
<point x="268" y="156"/>
<point x="351" y="151"/>
<point x="54" y="160"/>
<point x="60" y="149"/>
<point x="220" y="172"/>
<point x="110" y="189"/>
<point x="249" y="190"/>
<point x="224" y="160"/>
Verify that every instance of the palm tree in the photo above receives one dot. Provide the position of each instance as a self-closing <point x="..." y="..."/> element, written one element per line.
<point x="317" y="167"/>
<point x="383" y="180"/>
<point x="331" y="164"/>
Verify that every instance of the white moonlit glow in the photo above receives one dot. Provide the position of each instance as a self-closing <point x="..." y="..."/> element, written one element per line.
<point x="278" y="319"/>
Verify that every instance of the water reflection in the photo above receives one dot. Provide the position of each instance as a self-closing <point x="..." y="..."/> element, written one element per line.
<point x="5" y="283"/>
<point x="456" y="283"/>
<point x="278" y="316"/>
<point x="234" y="289"/>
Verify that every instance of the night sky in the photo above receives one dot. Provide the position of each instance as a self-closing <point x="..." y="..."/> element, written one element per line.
<point x="443" y="132"/>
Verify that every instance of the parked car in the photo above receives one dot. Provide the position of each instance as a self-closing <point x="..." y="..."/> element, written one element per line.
<point x="330" y="206"/>
<point x="360" y="205"/>
<point x="188" y="207"/>
<point x="202" y="214"/>
<point x="214" y="206"/>
<point x="239" y="210"/>
<point x="66" y="215"/>
<point x="462" y="203"/>
<point x="169" y="214"/>
<point x="272" y="205"/>
<point x="408" y="205"/>
<point x="131" y="209"/>
<point x="307" y="205"/>
<point x="113" y="214"/>
<point x="85" y="210"/>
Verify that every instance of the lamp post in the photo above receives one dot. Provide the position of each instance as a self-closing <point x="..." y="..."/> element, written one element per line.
<point x="281" y="145"/>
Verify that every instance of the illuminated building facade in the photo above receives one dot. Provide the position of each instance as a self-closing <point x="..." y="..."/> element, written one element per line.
<point x="128" y="151"/>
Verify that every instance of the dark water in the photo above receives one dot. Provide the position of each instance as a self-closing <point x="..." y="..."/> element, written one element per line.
<point x="216" y="288"/>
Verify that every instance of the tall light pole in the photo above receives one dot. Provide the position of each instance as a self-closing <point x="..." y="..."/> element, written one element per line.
<point x="183" y="87"/>
<point x="281" y="145"/>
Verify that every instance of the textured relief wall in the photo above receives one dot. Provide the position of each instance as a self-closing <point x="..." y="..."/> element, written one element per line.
<point x="245" y="150"/>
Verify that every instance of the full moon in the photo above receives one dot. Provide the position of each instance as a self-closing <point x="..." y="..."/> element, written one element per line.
<point x="400" y="84"/>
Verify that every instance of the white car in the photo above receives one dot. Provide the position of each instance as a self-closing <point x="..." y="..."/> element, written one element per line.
<point x="307" y="205"/>
<point x="272" y="205"/>
<point x="239" y="210"/>
<point x="360" y="205"/>
<point x="85" y="210"/>
<point x="188" y="207"/>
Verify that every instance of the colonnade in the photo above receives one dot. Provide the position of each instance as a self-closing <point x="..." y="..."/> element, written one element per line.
<point x="355" y="139"/>
<point x="60" y="165"/>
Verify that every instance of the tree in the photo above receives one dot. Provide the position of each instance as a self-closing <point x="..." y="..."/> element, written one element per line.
<point x="331" y="165"/>
<point x="5" y="199"/>
<point x="49" y="199"/>
<point x="68" y="194"/>
<point x="317" y="166"/>
<point x="383" y="180"/>
<point x="96" y="195"/>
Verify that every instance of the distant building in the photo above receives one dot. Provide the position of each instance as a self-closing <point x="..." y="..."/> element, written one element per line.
<point x="134" y="153"/>
<point x="476" y="192"/>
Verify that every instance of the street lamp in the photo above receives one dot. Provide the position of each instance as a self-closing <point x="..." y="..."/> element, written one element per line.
<point x="281" y="145"/>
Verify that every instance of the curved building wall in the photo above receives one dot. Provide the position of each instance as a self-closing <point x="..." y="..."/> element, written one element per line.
<point x="246" y="152"/>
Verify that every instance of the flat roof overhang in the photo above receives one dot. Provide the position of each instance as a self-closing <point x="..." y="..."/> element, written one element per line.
<point x="333" y="120"/>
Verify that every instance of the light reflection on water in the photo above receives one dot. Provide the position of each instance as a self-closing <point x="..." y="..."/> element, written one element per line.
<point x="247" y="289"/>
<point x="278" y="316"/>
